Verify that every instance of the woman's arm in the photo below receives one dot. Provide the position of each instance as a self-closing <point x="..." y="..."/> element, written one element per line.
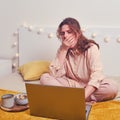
<point x="57" y="66"/>
<point x="62" y="54"/>
<point x="96" y="73"/>
<point x="66" y="44"/>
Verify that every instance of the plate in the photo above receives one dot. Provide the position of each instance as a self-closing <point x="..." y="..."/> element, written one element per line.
<point x="15" y="108"/>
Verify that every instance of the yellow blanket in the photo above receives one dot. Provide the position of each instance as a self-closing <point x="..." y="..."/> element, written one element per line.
<point x="109" y="110"/>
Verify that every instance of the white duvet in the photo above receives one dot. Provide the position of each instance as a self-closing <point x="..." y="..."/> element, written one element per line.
<point x="16" y="83"/>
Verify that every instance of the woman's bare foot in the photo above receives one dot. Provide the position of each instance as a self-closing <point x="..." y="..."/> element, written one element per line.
<point x="90" y="102"/>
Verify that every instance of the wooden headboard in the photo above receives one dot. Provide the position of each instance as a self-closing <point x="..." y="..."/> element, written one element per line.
<point x="42" y="44"/>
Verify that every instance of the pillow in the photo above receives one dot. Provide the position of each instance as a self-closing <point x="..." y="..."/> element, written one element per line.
<point x="33" y="70"/>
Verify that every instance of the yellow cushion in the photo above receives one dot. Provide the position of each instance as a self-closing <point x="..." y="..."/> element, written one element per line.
<point x="33" y="70"/>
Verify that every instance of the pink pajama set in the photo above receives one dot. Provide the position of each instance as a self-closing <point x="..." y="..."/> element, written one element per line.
<point x="79" y="71"/>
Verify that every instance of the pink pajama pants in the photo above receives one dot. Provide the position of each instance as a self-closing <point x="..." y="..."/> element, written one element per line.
<point x="107" y="90"/>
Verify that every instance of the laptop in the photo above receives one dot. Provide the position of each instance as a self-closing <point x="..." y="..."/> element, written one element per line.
<point x="61" y="103"/>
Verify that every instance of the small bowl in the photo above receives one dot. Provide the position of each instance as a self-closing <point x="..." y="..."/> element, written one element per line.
<point x="21" y="99"/>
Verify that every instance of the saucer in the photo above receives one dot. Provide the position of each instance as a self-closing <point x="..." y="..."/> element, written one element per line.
<point x="15" y="108"/>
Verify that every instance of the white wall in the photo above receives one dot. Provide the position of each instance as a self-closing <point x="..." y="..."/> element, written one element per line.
<point x="14" y="13"/>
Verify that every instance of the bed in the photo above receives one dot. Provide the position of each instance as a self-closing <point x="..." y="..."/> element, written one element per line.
<point x="38" y="46"/>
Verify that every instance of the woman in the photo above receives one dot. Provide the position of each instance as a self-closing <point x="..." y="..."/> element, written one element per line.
<point x="77" y="64"/>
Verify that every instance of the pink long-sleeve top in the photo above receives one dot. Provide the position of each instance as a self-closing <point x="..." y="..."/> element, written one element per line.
<point x="85" y="69"/>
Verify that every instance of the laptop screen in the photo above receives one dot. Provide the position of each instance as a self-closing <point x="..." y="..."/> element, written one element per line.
<point x="56" y="102"/>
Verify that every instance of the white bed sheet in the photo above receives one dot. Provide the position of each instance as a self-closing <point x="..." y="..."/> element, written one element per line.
<point x="14" y="82"/>
<point x="117" y="80"/>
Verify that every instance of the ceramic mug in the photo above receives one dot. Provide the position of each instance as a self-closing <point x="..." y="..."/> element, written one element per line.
<point x="7" y="100"/>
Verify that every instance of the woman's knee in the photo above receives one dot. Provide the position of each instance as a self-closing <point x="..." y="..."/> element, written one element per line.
<point x="107" y="92"/>
<point x="112" y="89"/>
<point x="44" y="77"/>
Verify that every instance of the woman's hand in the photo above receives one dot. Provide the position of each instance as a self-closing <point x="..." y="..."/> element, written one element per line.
<point x="88" y="91"/>
<point x="68" y="42"/>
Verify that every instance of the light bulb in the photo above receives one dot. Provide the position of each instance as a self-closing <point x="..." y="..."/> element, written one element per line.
<point x="14" y="64"/>
<point x="15" y="43"/>
<point x="24" y="25"/>
<point x="30" y="28"/>
<point x="118" y="40"/>
<point x="15" y="33"/>
<point x="93" y="35"/>
<point x="106" y="39"/>
<point x="17" y="55"/>
<point x="83" y="29"/>
<point x="50" y="35"/>
<point x="40" y="31"/>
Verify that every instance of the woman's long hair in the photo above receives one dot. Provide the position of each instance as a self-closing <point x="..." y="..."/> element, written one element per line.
<point x="83" y="43"/>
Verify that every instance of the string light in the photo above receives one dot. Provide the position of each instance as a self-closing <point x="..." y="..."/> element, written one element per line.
<point x="50" y="35"/>
<point x="15" y="33"/>
<point x="24" y="25"/>
<point x="14" y="44"/>
<point x="14" y="65"/>
<point x="30" y="28"/>
<point x="83" y="29"/>
<point x="118" y="40"/>
<point x="93" y="35"/>
<point x="107" y="39"/>
<point x="40" y="31"/>
<point x="17" y="55"/>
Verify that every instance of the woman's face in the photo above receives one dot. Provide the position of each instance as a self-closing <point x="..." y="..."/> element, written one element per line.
<point x="67" y="33"/>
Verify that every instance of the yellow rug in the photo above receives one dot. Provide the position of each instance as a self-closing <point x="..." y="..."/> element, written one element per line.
<point x="109" y="110"/>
